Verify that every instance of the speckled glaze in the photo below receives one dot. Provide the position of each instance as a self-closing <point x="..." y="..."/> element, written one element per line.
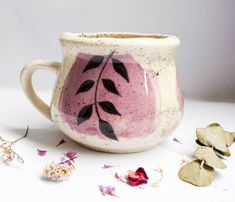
<point x="116" y="92"/>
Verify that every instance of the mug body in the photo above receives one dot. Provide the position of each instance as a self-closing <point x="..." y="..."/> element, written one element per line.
<point x="117" y="92"/>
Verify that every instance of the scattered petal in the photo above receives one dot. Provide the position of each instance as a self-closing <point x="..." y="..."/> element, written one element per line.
<point x="176" y="140"/>
<point x="62" y="141"/>
<point x="138" y="177"/>
<point x="197" y="173"/>
<point x="208" y="155"/>
<point x="42" y="152"/>
<point x="71" y="154"/>
<point x="107" y="190"/>
<point x="119" y="178"/>
<point x="107" y="166"/>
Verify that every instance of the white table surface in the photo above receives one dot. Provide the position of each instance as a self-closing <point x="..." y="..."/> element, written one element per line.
<point x="24" y="183"/>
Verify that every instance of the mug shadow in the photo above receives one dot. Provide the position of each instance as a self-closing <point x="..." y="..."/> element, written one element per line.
<point x="49" y="136"/>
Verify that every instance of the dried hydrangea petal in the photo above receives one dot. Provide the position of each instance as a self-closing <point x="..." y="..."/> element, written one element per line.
<point x="196" y="174"/>
<point x="213" y="137"/>
<point x="208" y="155"/>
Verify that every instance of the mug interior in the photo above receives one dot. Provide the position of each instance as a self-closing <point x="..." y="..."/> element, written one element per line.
<point x="122" y="35"/>
<point x="121" y="38"/>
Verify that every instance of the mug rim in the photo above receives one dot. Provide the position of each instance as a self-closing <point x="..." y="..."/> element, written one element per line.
<point x="121" y="38"/>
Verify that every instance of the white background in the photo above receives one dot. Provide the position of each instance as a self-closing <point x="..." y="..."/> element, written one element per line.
<point x="206" y="58"/>
<point x="206" y="65"/>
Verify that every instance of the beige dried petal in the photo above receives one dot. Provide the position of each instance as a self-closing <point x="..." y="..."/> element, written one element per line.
<point x="214" y="125"/>
<point x="196" y="174"/>
<point x="213" y="137"/>
<point x="229" y="138"/>
<point x="208" y="155"/>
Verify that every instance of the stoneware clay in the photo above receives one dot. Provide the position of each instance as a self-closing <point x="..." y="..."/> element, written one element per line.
<point x="115" y="92"/>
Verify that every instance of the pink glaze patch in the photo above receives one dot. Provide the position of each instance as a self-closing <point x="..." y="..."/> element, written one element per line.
<point x="180" y="96"/>
<point x="132" y="112"/>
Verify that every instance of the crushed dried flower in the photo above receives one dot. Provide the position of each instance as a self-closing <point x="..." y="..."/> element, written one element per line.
<point x="57" y="171"/>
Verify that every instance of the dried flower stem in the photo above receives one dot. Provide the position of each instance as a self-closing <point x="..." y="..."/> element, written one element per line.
<point x="25" y="135"/>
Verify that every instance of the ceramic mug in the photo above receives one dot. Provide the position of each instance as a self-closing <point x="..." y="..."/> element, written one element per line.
<point x="115" y="92"/>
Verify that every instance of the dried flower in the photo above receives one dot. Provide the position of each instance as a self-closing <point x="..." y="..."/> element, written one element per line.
<point x="71" y="154"/>
<point x="8" y="154"/>
<point x="138" y="177"/>
<point x="42" y="152"/>
<point x="57" y="171"/>
<point x="176" y="140"/>
<point x="107" y="190"/>
<point x="62" y="141"/>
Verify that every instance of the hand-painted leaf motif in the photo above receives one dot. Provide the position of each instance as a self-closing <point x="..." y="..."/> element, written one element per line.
<point x="107" y="129"/>
<point x="85" y="86"/>
<point x="110" y="86"/>
<point x="120" y="68"/>
<point x="109" y="107"/>
<point x="94" y="62"/>
<point x="84" y="114"/>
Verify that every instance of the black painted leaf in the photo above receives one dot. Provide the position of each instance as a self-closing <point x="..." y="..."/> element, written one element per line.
<point x="109" y="107"/>
<point x="85" y="86"/>
<point x="107" y="129"/>
<point x="94" y="62"/>
<point x="84" y="114"/>
<point x="120" y="68"/>
<point x="110" y="86"/>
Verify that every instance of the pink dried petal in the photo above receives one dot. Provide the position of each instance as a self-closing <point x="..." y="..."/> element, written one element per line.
<point x="42" y="152"/>
<point x="176" y="140"/>
<point x="107" y="166"/>
<point x="107" y="190"/>
<point x="119" y="178"/>
<point x="71" y="154"/>
<point x="62" y="141"/>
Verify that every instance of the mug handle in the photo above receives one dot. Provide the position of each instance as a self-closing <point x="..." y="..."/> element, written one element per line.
<point x="26" y="82"/>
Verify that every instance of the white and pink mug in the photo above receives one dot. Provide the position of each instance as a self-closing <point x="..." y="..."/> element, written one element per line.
<point x="115" y="92"/>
